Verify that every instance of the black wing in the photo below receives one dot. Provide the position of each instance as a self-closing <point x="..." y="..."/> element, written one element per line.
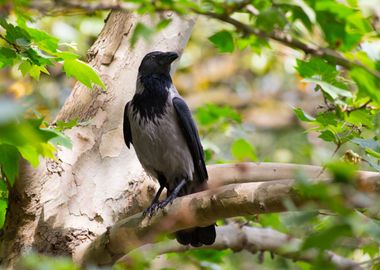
<point x="127" y="127"/>
<point x="192" y="138"/>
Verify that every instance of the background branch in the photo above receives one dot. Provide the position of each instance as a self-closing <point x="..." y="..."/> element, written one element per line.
<point x="237" y="238"/>
<point x="289" y="41"/>
<point x="279" y="36"/>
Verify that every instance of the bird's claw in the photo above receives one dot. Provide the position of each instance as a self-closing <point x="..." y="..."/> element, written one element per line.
<point x="151" y="210"/>
<point x="165" y="202"/>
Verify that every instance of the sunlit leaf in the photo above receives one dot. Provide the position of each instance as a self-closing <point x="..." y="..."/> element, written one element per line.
<point x="333" y="91"/>
<point x="223" y="40"/>
<point x="301" y="115"/>
<point x="62" y="125"/>
<point x="82" y="72"/>
<point x="242" y="150"/>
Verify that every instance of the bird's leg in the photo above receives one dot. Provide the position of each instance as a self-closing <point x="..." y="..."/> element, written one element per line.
<point x="173" y="195"/>
<point x="154" y="205"/>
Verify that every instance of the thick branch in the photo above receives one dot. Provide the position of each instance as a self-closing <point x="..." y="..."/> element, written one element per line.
<point x="204" y="208"/>
<point x="252" y="239"/>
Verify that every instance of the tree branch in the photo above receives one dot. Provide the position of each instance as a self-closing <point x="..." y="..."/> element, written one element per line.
<point x="53" y="8"/>
<point x="204" y="208"/>
<point x="244" y="28"/>
<point x="291" y="42"/>
<point x="237" y="238"/>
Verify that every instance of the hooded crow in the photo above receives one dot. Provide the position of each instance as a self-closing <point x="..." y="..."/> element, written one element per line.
<point x="158" y="123"/>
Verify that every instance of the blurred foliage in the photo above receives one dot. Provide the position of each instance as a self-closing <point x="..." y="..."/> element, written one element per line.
<point x="240" y="84"/>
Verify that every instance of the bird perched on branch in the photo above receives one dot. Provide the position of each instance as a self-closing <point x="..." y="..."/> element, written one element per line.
<point x="158" y="123"/>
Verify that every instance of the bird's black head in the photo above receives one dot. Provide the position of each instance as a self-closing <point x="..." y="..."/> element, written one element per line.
<point x="157" y="63"/>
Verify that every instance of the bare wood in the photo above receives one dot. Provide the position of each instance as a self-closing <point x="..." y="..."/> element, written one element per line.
<point x="204" y="208"/>
<point x="252" y="239"/>
<point x="248" y="172"/>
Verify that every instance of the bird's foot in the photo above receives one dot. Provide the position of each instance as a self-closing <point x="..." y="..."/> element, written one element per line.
<point x="168" y="200"/>
<point x="151" y="210"/>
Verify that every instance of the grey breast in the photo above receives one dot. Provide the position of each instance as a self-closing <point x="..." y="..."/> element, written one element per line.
<point x="160" y="145"/>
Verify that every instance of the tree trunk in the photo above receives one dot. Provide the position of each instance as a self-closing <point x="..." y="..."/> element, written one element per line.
<point x="61" y="206"/>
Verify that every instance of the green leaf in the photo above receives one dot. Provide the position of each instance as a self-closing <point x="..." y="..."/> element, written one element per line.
<point x="368" y="86"/>
<point x="360" y="118"/>
<point x="327" y="118"/>
<point x="163" y="24"/>
<point x="141" y="30"/>
<point x="270" y="19"/>
<point x="7" y="57"/>
<point x="62" y="125"/>
<point x="29" y="153"/>
<point x="43" y="40"/>
<point x="272" y="220"/>
<point x="41" y="262"/>
<point x="324" y="239"/>
<point x="60" y="139"/>
<point x="3" y="211"/>
<point x="300" y="3"/>
<point x="29" y="138"/>
<point x="209" y="255"/>
<point x="82" y="72"/>
<point x="373" y="153"/>
<point x="342" y="172"/>
<point x="327" y="136"/>
<point x="223" y="40"/>
<point x="210" y="114"/>
<point x="333" y="91"/>
<point x="25" y="67"/>
<point x="9" y="159"/>
<point x="242" y="150"/>
<point x="317" y="68"/>
<point x="16" y="34"/>
<point x="301" y="115"/>
<point x="371" y="249"/>
<point x="66" y="55"/>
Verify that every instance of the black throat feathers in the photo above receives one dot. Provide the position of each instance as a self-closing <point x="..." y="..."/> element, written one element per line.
<point x="150" y="102"/>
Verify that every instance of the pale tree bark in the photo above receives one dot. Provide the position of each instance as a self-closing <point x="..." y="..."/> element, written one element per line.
<point x="63" y="204"/>
<point x="235" y="190"/>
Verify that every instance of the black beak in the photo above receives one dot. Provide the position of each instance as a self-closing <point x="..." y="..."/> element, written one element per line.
<point x="168" y="57"/>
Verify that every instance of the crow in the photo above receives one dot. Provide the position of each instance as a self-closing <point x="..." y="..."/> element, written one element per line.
<point x="158" y="123"/>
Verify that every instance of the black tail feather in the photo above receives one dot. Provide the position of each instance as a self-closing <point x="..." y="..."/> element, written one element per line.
<point x="197" y="236"/>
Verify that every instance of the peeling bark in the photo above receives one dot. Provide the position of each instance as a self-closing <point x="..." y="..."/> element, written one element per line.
<point x="63" y="204"/>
